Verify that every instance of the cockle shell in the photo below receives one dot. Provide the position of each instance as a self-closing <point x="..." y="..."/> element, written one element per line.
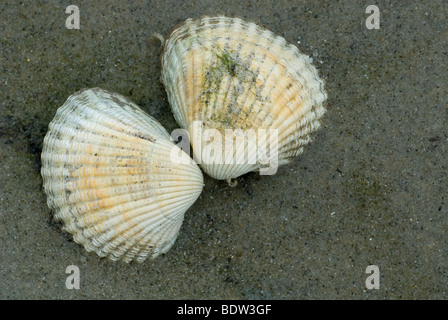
<point x="108" y="175"/>
<point x="223" y="74"/>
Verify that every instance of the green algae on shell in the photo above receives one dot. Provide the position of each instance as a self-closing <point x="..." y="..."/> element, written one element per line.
<point x="229" y="74"/>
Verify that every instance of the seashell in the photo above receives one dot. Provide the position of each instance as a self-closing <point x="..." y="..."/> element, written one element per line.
<point x="240" y="81"/>
<point x="108" y="176"/>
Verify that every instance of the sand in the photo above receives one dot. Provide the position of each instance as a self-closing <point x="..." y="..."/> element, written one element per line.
<point x="370" y="190"/>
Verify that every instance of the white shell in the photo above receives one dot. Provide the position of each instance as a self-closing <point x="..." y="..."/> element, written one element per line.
<point x="225" y="73"/>
<point x="108" y="176"/>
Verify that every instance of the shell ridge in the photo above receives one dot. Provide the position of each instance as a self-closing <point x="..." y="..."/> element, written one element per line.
<point x="108" y="178"/>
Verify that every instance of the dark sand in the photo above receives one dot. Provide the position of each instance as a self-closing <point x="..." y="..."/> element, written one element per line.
<point x="370" y="190"/>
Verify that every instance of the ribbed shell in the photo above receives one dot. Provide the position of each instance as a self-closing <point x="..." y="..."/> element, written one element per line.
<point x="108" y="176"/>
<point x="232" y="74"/>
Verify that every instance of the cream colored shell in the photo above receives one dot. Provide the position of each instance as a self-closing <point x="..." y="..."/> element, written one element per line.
<point x="226" y="73"/>
<point x="108" y="176"/>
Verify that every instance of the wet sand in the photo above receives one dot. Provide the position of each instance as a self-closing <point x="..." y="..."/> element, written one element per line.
<point x="370" y="190"/>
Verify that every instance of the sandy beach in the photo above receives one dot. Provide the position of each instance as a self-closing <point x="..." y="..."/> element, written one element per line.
<point x="371" y="189"/>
